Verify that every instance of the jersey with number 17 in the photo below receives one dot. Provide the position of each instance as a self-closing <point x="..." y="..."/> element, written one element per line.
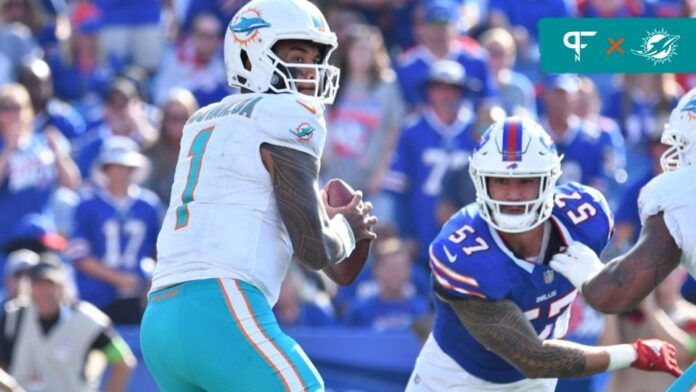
<point x="469" y="260"/>
<point x="223" y="221"/>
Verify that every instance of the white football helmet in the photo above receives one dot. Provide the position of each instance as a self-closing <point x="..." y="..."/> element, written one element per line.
<point x="680" y="134"/>
<point x="515" y="148"/>
<point x="258" y="26"/>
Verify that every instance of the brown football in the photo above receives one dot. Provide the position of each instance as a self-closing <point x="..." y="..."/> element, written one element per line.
<point x="339" y="194"/>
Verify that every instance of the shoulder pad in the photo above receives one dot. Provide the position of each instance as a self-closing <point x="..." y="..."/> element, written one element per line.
<point x="460" y="258"/>
<point x="666" y="189"/>
<point x="585" y="213"/>
<point x="94" y="314"/>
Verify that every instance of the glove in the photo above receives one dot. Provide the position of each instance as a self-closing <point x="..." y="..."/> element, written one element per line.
<point x="578" y="264"/>
<point x="656" y="356"/>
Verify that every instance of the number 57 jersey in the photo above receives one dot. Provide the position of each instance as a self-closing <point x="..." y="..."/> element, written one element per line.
<point x="469" y="260"/>
<point x="223" y="221"/>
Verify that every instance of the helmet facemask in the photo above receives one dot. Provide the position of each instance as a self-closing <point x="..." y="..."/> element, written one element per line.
<point x="676" y="155"/>
<point x="536" y="211"/>
<point x="286" y="76"/>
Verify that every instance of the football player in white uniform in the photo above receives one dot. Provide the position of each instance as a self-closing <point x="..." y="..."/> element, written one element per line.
<point x="667" y="206"/>
<point x="245" y="200"/>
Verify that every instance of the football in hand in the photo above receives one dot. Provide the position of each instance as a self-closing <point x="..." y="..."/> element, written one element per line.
<point x="339" y="194"/>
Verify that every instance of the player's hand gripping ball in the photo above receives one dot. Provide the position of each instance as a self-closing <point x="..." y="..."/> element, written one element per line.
<point x="339" y="194"/>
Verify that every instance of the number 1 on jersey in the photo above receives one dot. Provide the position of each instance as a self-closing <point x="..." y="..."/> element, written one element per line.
<point x="200" y="141"/>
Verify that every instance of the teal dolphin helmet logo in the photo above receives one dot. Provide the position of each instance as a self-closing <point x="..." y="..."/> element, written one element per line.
<point x="245" y="27"/>
<point x="690" y="109"/>
<point x="658" y="46"/>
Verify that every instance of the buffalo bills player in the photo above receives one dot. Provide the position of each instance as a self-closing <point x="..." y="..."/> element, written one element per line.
<point x="500" y="310"/>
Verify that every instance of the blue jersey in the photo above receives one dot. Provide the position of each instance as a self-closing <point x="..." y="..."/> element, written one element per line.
<point x="469" y="260"/>
<point x="30" y="182"/>
<point x="426" y="152"/>
<point x="414" y="66"/>
<point x="118" y="233"/>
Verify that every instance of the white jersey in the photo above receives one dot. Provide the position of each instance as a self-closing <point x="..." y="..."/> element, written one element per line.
<point x="674" y="193"/>
<point x="223" y="221"/>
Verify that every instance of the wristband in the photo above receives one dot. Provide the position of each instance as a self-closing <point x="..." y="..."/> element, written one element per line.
<point x="620" y="356"/>
<point x="339" y="224"/>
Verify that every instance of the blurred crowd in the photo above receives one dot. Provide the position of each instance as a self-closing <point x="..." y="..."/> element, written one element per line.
<point x="94" y="95"/>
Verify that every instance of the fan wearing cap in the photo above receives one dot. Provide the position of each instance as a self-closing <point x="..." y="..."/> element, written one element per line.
<point x="48" y="340"/>
<point x="115" y="230"/>
<point x="439" y="41"/>
<point x="431" y="144"/>
<point x="17" y="267"/>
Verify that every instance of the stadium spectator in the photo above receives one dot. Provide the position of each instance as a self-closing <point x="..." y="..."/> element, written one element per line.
<point x="164" y="154"/>
<point x="515" y="91"/>
<point x="431" y="144"/>
<point x="16" y="44"/>
<point x="188" y="10"/>
<point x="389" y="17"/>
<point x="131" y="31"/>
<point x="636" y="105"/>
<point x="458" y="189"/>
<point x="124" y="115"/>
<point x="573" y="137"/>
<point x="300" y="305"/>
<point x="522" y="16"/>
<point x="395" y="305"/>
<point x="115" y="232"/>
<point x="46" y="27"/>
<point x="35" y="76"/>
<point x="16" y="271"/>
<point x="195" y="64"/>
<point x="366" y="118"/>
<point x="48" y="341"/>
<point x="440" y="42"/>
<point x="612" y="9"/>
<point x="81" y="71"/>
<point x="32" y="166"/>
<point x="588" y="107"/>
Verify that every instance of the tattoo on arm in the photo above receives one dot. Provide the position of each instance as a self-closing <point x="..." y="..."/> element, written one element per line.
<point x="501" y="327"/>
<point x="294" y="175"/>
<point x="627" y="279"/>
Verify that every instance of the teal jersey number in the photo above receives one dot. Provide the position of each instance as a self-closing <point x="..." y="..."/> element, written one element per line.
<point x="196" y="154"/>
